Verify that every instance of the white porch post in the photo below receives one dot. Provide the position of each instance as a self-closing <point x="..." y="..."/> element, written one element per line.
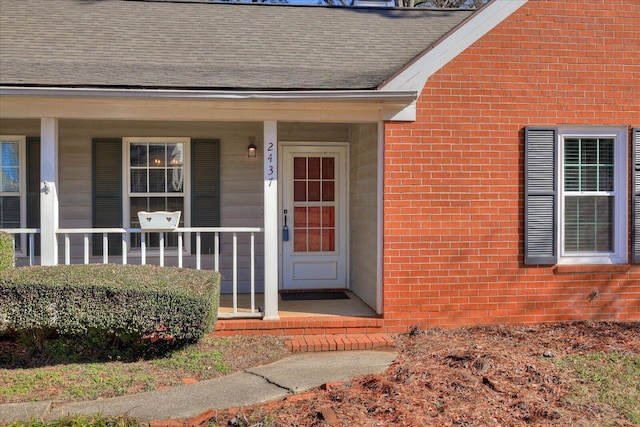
<point x="48" y="191"/>
<point x="271" y="231"/>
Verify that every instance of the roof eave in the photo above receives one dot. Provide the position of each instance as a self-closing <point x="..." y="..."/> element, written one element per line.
<point x="415" y="74"/>
<point x="406" y="96"/>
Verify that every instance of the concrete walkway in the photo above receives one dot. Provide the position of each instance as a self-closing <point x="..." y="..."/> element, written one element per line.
<point x="277" y="380"/>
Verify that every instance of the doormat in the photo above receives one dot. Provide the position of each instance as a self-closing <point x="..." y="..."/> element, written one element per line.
<point x="309" y="296"/>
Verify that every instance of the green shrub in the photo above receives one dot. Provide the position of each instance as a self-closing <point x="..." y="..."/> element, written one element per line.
<point x="162" y="306"/>
<point x="7" y="251"/>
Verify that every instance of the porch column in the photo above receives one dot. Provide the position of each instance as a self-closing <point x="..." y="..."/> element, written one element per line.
<point x="271" y="231"/>
<point x="48" y="191"/>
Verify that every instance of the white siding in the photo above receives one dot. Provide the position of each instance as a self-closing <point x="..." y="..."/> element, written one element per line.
<point x="363" y="211"/>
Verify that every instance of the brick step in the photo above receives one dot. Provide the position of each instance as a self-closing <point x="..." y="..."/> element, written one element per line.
<point x="341" y="342"/>
<point x="297" y="326"/>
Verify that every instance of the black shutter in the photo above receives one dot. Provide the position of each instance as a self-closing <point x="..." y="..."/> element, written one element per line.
<point x="540" y="195"/>
<point x="33" y="188"/>
<point x="635" y="198"/>
<point x="107" y="192"/>
<point x="205" y="189"/>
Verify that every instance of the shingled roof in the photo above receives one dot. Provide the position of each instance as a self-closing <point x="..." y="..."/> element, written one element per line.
<point x="203" y="45"/>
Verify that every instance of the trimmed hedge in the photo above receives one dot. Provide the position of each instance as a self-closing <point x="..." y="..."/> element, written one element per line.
<point x="7" y="251"/>
<point x="131" y="303"/>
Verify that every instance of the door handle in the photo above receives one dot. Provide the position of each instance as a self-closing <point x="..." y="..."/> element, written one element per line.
<point x="285" y="228"/>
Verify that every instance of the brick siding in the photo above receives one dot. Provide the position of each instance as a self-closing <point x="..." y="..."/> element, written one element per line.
<point x="453" y="209"/>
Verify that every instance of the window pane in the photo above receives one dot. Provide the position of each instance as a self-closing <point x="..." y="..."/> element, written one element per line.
<point x="588" y="164"/>
<point x="10" y="154"/>
<point x="136" y="205"/>
<point x="10" y="169"/>
<point x="157" y="155"/>
<point x="589" y="224"/>
<point x="174" y="179"/>
<point x="175" y="204"/>
<point x="156" y="181"/>
<point x="10" y="212"/>
<point x="156" y="204"/>
<point x="175" y="153"/>
<point x="138" y="154"/>
<point x="138" y="180"/>
<point x="606" y="178"/>
<point x="589" y="151"/>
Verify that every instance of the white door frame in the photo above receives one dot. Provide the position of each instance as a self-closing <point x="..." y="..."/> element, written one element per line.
<point x="342" y="218"/>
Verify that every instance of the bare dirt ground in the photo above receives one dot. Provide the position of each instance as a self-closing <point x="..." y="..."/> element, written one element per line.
<point x="483" y="376"/>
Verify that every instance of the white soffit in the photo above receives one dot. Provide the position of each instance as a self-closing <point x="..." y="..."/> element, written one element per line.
<point x="415" y="75"/>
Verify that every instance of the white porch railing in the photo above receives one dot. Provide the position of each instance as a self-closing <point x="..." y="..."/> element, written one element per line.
<point x="67" y="234"/>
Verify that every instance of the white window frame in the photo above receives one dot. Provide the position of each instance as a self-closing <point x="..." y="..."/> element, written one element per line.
<point x="619" y="255"/>
<point x="22" y="191"/>
<point x="186" y="185"/>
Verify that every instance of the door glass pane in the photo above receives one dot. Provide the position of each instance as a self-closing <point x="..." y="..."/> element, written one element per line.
<point x="328" y="240"/>
<point x="313" y="219"/>
<point x="314" y="240"/>
<point x="314" y="168"/>
<point x="299" y="168"/>
<point x="300" y="191"/>
<point x="300" y="229"/>
<point x="300" y="217"/>
<point x="328" y="216"/>
<point x="300" y="240"/>
<point x="328" y="193"/>
<point x="314" y="191"/>
<point x="328" y="170"/>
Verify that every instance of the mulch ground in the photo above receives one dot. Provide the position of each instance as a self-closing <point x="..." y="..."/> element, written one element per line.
<point x="483" y="376"/>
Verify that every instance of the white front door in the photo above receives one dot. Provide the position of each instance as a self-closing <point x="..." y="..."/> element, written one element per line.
<point x="314" y="215"/>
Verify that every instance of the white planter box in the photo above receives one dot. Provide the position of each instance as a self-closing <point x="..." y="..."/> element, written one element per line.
<point x="159" y="220"/>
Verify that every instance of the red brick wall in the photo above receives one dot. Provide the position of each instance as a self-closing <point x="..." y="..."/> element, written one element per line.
<point x="453" y="210"/>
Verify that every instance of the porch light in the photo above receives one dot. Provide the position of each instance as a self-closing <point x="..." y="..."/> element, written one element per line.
<point x="251" y="149"/>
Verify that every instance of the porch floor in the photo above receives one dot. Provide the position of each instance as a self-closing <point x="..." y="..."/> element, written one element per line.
<point x="352" y="307"/>
<point x="316" y="325"/>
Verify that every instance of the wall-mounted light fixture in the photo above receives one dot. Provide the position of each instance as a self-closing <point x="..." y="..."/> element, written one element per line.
<point x="252" y="151"/>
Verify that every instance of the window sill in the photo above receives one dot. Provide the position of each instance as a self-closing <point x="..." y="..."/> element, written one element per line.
<point x="586" y="269"/>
